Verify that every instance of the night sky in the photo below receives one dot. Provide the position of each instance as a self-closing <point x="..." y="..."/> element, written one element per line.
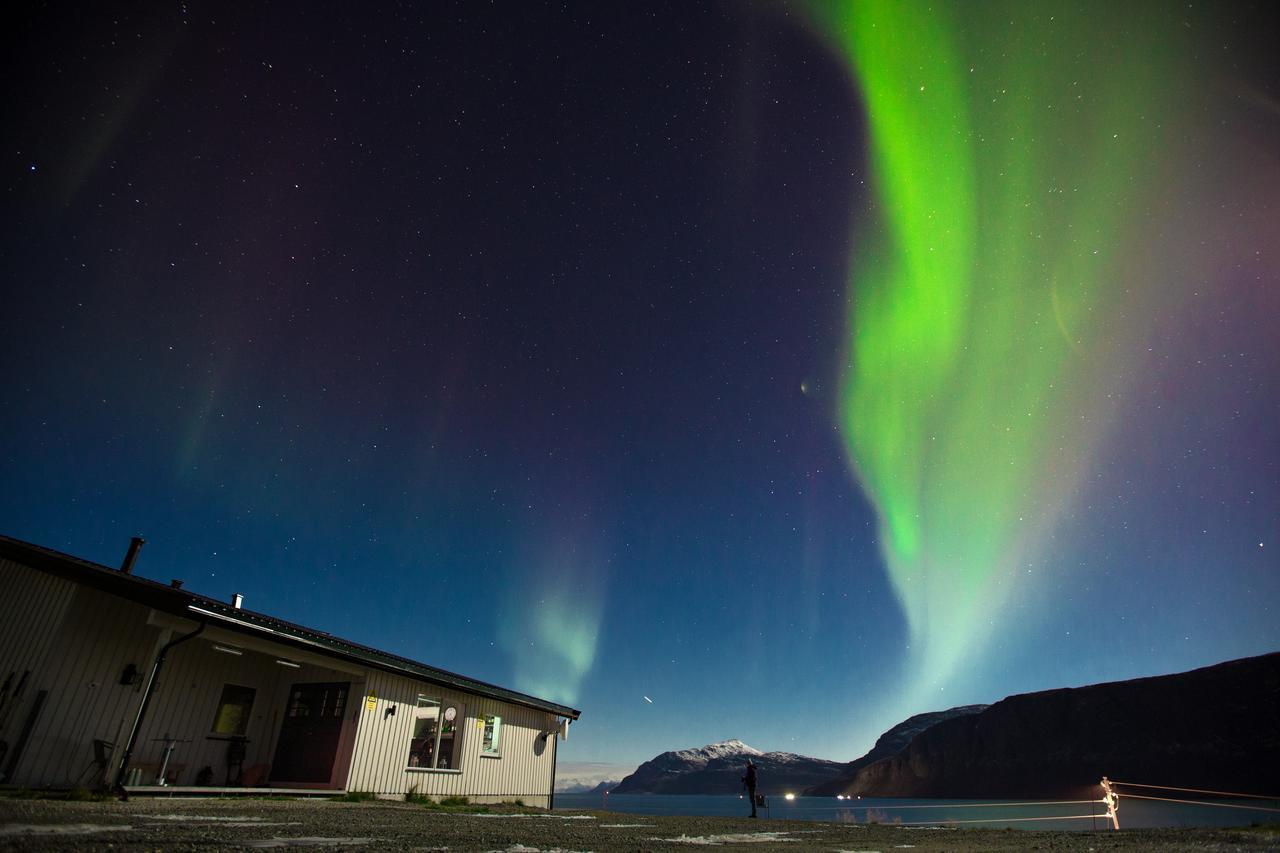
<point x="797" y="367"/>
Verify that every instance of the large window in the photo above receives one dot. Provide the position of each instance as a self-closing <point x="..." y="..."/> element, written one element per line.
<point x="232" y="717"/>
<point x="492" y="743"/>
<point x="437" y="734"/>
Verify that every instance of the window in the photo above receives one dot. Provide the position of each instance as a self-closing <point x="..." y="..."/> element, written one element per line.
<point x="317" y="700"/>
<point x="491" y="744"/>
<point x="437" y="734"/>
<point x="233" y="710"/>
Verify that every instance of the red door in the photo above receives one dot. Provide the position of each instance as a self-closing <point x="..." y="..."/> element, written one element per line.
<point x="310" y="732"/>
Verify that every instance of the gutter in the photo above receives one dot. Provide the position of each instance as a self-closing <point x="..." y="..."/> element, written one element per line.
<point x="381" y="660"/>
<point x="555" y="754"/>
<point x="147" y="693"/>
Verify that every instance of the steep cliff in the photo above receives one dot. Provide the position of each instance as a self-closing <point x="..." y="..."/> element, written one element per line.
<point x="888" y="744"/>
<point x="1216" y="727"/>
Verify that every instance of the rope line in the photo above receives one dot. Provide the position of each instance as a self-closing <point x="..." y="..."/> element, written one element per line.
<point x="857" y="805"/>
<point x="1199" y="803"/>
<point x="996" y="820"/>
<point x="1193" y="791"/>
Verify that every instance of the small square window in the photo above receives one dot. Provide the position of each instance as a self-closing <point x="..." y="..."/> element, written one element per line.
<point x="232" y="717"/>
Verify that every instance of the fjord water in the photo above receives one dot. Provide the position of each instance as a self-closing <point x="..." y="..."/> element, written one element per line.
<point x="1133" y="814"/>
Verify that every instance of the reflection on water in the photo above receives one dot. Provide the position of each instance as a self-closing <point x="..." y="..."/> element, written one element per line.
<point x="992" y="813"/>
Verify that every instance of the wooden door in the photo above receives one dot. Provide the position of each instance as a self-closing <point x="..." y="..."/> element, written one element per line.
<point x="309" y="733"/>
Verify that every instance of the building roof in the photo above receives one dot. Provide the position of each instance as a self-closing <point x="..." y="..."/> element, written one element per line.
<point x="190" y="605"/>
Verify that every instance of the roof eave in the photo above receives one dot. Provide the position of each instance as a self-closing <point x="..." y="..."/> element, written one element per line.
<point x="179" y="602"/>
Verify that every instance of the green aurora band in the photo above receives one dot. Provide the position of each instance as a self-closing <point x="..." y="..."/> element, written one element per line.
<point x="1016" y="152"/>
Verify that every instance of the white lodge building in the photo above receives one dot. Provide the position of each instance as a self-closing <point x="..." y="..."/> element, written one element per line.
<point x="107" y="678"/>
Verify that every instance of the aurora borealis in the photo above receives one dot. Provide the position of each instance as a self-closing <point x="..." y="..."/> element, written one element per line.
<point x="1012" y="172"/>
<point x="762" y="370"/>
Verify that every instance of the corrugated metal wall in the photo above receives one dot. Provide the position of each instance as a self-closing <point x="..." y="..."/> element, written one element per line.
<point x="75" y="642"/>
<point x="523" y="772"/>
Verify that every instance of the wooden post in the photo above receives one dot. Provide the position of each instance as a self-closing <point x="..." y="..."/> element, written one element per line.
<point x="1112" y="799"/>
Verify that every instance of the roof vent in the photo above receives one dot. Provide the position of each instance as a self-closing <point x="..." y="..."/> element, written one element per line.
<point x="236" y="600"/>
<point x="175" y="583"/>
<point x="131" y="557"/>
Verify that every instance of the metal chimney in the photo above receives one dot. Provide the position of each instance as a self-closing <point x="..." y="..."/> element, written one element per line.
<point x="236" y="600"/>
<point x="130" y="557"/>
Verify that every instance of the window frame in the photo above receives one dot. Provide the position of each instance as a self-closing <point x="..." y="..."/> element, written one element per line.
<point x="495" y="750"/>
<point x="441" y="703"/>
<point x="246" y="717"/>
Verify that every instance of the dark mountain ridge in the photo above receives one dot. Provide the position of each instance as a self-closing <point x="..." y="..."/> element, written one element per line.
<point x="1217" y="727"/>
<point x="889" y="744"/>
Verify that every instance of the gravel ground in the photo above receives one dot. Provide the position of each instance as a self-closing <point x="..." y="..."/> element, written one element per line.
<point x="214" y="824"/>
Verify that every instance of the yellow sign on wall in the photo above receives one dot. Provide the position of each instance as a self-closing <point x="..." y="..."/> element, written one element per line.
<point x="371" y="701"/>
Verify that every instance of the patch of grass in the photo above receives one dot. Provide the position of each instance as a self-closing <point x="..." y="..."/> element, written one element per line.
<point x="448" y="804"/>
<point x="84" y="795"/>
<point x="464" y="805"/>
<point x="444" y="804"/>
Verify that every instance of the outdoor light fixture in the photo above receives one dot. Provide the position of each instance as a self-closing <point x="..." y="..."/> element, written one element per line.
<point x="227" y="650"/>
<point x="790" y="796"/>
<point x="288" y="663"/>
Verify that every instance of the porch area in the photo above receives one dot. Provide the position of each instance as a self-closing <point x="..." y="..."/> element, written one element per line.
<point x="233" y="713"/>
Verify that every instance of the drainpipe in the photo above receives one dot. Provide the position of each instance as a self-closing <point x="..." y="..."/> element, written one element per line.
<point x="551" y="795"/>
<point x="147" y="692"/>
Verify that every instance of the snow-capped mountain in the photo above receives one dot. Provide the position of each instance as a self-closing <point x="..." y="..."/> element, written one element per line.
<point x="583" y="788"/>
<point x="701" y="755"/>
<point x="717" y="768"/>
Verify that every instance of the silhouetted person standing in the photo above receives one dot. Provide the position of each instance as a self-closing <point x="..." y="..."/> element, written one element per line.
<point x="749" y="782"/>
